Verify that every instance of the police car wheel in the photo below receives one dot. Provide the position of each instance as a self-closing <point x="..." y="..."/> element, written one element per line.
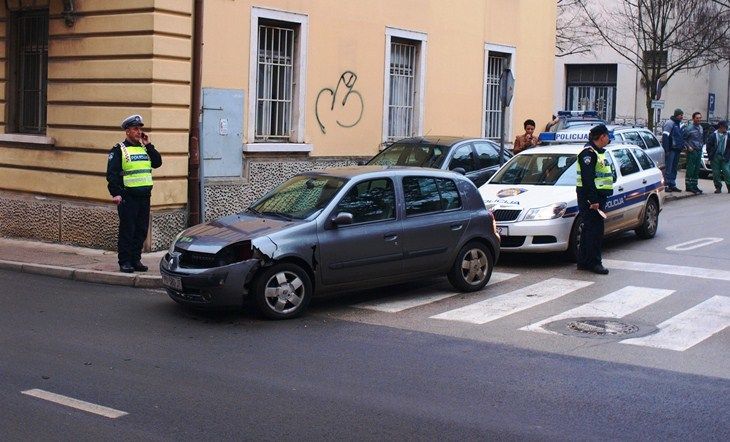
<point x="649" y="226"/>
<point x="282" y="291"/>
<point x="574" y="241"/>
<point x="472" y="267"/>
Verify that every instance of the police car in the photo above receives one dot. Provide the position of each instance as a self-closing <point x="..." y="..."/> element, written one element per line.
<point x="638" y="136"/>
<point x="535" y="207"/>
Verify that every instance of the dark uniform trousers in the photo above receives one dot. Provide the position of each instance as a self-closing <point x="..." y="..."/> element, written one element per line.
<point x="134" y="219"/>
<point x="589" y="250"/>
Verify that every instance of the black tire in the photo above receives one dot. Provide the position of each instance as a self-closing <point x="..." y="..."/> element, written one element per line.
<point x="472" y="267"/>
<point x="650" y="224"/>
<point x="282" y="291"/>
<point x="574" y="241"/>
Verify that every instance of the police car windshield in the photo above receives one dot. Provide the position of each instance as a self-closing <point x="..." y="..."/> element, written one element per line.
<point x="541" y="169"/>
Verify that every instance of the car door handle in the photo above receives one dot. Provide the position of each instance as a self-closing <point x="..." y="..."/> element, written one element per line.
<point x="390" y="237"/>
<point x="620" y="189"/>
<point x="457" y="226"/>
<point x="643" y="181"/>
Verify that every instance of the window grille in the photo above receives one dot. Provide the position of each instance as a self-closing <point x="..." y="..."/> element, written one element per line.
<point x="496" y="63"/>
<point x="31" y="36"/>
<point x="402" y="89"/>
<point x="275" y="84"/>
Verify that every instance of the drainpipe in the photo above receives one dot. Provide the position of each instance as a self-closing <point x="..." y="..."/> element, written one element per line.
<point x="195" y="99"/>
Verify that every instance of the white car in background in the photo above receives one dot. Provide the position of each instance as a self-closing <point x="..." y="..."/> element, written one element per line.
<point x="535" y="206"/>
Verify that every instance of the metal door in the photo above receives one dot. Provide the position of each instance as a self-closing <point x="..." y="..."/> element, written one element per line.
<point x="221" y="133"/>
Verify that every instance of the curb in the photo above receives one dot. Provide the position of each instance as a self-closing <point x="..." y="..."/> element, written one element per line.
<point x="85" y="275"/>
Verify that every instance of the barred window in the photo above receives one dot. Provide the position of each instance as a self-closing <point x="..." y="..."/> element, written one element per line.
<point x="496" y="63"/>
<point x="402" y="89"/>
<point x="275" y="85"/>
<point x="655" y="59"/>
<point x="29" y="39"/>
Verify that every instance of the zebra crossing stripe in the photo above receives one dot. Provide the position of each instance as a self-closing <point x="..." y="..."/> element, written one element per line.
<point x="398" y="304"/>
<point x="690" y="327"/>
<point x="614" y="305"/>
<point x="513" y="302"/>
<point x="694" y="272"/>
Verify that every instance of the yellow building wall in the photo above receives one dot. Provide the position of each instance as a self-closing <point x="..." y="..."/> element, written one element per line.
<point x="120" y="58"/>
<point x="349" y="35"/>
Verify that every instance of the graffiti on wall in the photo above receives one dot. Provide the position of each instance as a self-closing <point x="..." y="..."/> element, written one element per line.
<point x="353" y="107"/>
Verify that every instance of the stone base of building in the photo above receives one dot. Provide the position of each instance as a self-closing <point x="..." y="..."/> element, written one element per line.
<point x="261" y="174"/>
<point x="77" y="223"/>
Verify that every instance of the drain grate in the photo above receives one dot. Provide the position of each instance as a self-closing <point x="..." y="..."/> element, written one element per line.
<point x="602" y="327"/>
<point x="596" y="327"/>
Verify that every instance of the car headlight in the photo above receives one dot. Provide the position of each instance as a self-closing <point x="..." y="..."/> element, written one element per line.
<point x="548" y="212"/>
<point x="234" y="253"/>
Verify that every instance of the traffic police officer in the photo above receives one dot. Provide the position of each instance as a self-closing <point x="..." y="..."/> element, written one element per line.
<point x="594" y="186"/>
<point x="129" y="178"/>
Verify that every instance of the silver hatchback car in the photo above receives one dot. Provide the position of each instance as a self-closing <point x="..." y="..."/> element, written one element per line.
<point x="334" y="230"/>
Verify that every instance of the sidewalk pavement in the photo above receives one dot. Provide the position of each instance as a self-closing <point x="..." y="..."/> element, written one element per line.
<point x="100" y="266"/>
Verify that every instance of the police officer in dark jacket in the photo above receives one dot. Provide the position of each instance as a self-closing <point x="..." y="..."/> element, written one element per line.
<point x="129" y="178"/>
<point x="594" y="186"/>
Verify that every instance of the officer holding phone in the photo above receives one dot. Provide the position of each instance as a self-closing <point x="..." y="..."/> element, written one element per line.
<point x="129" y="178"/>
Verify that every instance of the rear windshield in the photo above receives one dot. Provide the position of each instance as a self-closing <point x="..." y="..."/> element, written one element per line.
<point x="539" y="169"/>
<point x="417" y="155"/>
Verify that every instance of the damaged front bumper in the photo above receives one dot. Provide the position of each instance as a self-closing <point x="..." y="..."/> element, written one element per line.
<point x="223" y="286"/>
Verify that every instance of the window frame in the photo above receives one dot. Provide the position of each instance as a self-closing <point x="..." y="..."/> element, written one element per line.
<point x="14" y="98"/>
<point x="436" y="179"/>
<point x="354" y="186"/>
<point x="512" y="52"/>
<point x="421" y="41"/>
<point x="617" y="161"/>
<point x="296" y="142"/>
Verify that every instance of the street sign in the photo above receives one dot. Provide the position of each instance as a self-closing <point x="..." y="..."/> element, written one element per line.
<point x="710" y="105"/>
<point x="657" y="104"/>
<point x="506" y="87"/>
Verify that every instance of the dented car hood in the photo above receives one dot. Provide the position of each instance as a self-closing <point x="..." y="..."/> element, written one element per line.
<point x="212" y="236"/>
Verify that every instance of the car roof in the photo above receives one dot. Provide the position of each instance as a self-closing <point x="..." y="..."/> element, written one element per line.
<point x="349" y="172"/>
<point x="440" y="140"/>
<point x="570" y="148"/>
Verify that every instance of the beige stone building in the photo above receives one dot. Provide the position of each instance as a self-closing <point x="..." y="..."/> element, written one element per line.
<point x="276" y="87"/>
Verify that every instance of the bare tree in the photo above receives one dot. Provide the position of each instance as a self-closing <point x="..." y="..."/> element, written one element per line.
<point x="662" y="37"/>
<point x="573" y="33"/>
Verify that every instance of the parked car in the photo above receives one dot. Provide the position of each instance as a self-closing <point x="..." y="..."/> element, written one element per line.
<point x="573" y="119"/>
<point x="534" y="202"/>
<point x="477" y="158"/>
<point x="638" y="136"/>
<point x="333" y="230"/>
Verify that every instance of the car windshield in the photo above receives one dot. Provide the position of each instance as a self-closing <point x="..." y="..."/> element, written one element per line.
<point x="540" y="169"/>
<point x="298" y="198"/>
<point x="416" y="155"/>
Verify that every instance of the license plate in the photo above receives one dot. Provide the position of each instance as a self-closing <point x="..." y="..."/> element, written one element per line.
<point x="172" y="281"/>
<point x="503" y="230"/>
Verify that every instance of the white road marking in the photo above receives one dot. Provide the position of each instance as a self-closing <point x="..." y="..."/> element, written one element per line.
<point x="75" y="403"/>
<point x="400" y="303"/>
<point x="614" y="305"/>
<point x="694" y="244"/>
<point x="690" y="327"/>
<point x="513" y="302"/>
<point x="694" y="272"/>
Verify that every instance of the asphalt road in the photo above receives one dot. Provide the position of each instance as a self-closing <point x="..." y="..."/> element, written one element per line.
<point x="343" y="372"/>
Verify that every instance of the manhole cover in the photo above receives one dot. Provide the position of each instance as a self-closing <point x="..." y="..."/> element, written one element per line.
<point x="602" y="327"/>
<point x="606" y="328"/>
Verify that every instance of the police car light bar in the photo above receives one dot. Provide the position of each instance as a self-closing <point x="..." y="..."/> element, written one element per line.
<point x="567" y="137"/>
<point x="578" y="114"/>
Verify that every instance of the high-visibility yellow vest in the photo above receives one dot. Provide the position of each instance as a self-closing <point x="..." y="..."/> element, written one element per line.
<point x="604" y="172"/>
<point x="136" y="166"/>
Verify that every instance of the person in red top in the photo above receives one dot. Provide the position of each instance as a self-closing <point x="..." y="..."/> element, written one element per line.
<point x="526" y="140"/>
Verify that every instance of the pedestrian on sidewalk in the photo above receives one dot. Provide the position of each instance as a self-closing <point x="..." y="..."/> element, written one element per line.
<point x="526" y="140"/>
<point x="693" y="135"/>
<point x="593" y="187"/>
<point x="718" y="151"/>
<point x="673" y="144"/>
<point x="129" y="178"/>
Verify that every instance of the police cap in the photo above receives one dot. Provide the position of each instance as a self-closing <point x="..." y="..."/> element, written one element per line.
<point x="132" y="120"/>
<point x="597" y="131"/>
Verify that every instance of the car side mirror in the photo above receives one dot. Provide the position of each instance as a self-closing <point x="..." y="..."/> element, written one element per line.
<point x="342" y="219"/>
<point x="459" y="170"/>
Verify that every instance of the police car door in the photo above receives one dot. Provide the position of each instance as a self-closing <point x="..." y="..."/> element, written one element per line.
<point x="624" y="207"/>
